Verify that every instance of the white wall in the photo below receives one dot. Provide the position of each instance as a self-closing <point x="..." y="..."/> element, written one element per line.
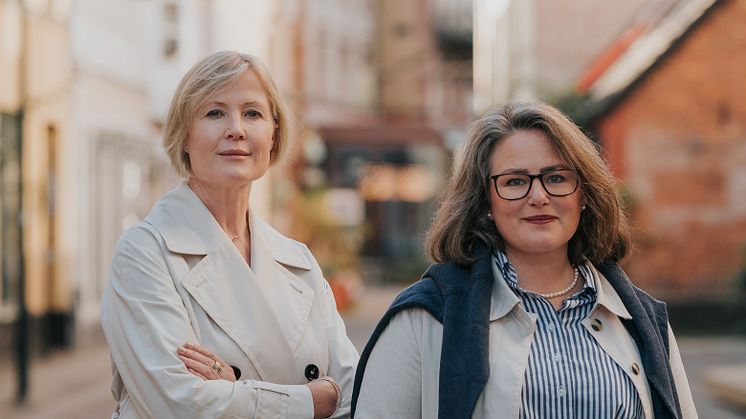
<point x="504" y="51"/>
<point x="338" y="75"/>
<point x="111" y="131"/>
<point x="10" y="53"/>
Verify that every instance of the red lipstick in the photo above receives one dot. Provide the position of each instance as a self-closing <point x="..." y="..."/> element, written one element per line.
<point x="540" y="219"/>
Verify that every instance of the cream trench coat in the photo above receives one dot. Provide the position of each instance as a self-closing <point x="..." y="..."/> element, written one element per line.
<point x="176" y="278"/>
<point x="409" y="350"/>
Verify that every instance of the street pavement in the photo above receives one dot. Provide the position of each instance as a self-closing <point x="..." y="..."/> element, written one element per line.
<point x="74" y="384"/>
<point x="710" y="364"/>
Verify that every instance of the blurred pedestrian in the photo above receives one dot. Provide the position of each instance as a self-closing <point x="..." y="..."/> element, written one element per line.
<point x="526" y="312"/>
<point x="210" y="312"/>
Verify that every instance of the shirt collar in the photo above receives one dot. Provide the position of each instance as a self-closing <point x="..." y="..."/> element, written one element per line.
<point x="506" y="282"/>
<point x="511" y="277"/>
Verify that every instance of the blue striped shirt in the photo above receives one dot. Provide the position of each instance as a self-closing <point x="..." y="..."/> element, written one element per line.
<point x="569" y="375"/>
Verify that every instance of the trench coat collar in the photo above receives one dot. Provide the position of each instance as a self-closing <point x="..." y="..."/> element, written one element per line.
<point x="607" y="296"/>
<point x="188" y="227"/>
<point x="503" y="299"/>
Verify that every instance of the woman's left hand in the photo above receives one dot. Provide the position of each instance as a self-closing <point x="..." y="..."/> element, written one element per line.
<point x="203" y="363"/>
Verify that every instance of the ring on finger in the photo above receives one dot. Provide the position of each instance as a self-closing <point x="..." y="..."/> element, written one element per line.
<point x="217" y="367"/>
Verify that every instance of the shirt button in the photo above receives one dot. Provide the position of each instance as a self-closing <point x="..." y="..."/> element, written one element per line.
<point x="550" y="327"/>
<point x="597" y="325"/>
<point x="635" y="368"/>
<point x="556" y="357"/>
<point x="561" y="392"/>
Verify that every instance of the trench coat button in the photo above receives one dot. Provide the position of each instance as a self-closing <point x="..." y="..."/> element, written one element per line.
<point x="597" y="325"/>
<point x="635" y="368"/>
<point x="236" y="371"/>
<point x="312" y="372"/>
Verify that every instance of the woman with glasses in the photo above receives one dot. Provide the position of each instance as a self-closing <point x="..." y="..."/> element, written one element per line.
<point x="526" y="313"/>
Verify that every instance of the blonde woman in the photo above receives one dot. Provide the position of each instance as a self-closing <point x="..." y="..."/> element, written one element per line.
<point x="209" y="312"/>
<point x="526" y="313"/>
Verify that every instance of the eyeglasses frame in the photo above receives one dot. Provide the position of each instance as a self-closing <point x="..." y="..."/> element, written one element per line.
<point x="531" y="178"/>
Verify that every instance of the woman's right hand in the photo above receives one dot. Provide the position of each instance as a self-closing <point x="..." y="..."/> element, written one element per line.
<point x="325" y="398"/>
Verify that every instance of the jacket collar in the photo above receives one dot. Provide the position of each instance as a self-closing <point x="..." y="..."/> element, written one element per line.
<point x="188" y="227"/>
<point x="607" y="296"/>
<point x="282" y="249"/>
<point x="503" y="298"/>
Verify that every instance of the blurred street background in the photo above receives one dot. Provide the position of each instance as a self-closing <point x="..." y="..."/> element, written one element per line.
<point x="382" y="92"/>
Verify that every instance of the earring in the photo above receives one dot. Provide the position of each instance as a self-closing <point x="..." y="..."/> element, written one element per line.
<point x="489" y="215"/>
<point x="582" y="208"/>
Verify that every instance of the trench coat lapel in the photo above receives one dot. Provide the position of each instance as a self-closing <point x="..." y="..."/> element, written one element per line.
<point x="249" y="305"/>
<point x="272" y="255"/>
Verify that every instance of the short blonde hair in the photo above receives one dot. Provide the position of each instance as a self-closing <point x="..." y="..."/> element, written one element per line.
<point x="209" y="76"/>
<point x="461" y="220"/>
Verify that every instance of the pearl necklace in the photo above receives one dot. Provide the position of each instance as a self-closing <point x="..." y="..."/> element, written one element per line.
<point x="558" y="293"/>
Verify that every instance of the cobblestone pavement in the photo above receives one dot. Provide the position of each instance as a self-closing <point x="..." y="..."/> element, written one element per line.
<point x="75" y="384"/>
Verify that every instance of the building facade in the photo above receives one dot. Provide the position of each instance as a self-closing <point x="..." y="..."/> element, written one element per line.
<point x="85" y="88"/>
<point x="673" y="126"/>
<point x="37" y="268"/>
<point x="384" y="155"/>
<point x="378" y="89"/>
<point x="536" y="49"/>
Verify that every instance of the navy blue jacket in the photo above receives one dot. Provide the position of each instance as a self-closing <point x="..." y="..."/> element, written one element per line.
<point x="459" y="298"/>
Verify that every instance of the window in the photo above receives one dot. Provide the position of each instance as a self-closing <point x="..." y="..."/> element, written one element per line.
<point x="170" y="30"/>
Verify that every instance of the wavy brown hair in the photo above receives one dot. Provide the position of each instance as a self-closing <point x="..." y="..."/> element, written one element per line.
<point x="461" y="222"/>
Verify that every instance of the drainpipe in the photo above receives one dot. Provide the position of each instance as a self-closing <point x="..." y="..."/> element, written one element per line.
<point x="22" y="329"/>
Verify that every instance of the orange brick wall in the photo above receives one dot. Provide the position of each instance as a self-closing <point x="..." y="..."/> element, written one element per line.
<point x="678" y="142"/>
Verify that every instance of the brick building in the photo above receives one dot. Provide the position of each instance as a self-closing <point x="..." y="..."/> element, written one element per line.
<point x="671" y="115"/>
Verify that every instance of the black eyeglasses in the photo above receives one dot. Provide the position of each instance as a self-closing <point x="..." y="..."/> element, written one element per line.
<point x="557" y="182"/>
